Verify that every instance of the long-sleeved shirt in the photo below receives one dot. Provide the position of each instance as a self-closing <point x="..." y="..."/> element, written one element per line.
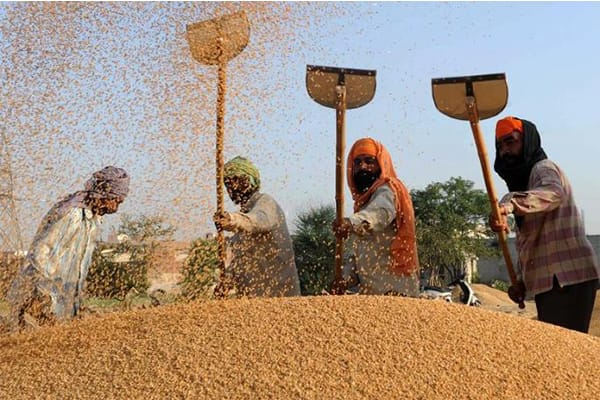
<point x="59" y="258"/>
<point x="551" y="239"/>
<point x="261" y="251"/>
<point x="374" y="228"/>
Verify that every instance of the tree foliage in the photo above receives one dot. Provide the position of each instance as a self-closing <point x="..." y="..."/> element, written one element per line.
<point x="117" y="268"/>
<point x="314" y="248"/>
<point x="451" y="221"/>
<point x="145" y="229"/>
<point x="201" y="269"/>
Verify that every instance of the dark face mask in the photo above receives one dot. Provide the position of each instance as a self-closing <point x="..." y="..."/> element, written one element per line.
<point x="364" y="180"/>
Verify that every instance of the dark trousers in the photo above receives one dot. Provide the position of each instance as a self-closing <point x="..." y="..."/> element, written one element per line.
<point x="570" y="306"/>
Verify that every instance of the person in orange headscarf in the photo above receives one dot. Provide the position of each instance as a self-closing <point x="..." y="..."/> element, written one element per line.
<point x="384" y="248"/>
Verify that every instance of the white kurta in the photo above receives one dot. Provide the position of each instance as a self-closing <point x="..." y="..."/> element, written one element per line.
<point x="261" y="250"/>
<point x="373" y="228"/>
<point x="58" y="261"/>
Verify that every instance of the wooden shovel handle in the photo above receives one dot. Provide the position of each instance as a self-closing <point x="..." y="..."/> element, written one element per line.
<point x="340" y="145"/>
<point x="222" y="84"/>
<point x="489" y="184"/>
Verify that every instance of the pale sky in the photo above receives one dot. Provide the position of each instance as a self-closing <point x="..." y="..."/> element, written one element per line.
<point x="115" y="84"/>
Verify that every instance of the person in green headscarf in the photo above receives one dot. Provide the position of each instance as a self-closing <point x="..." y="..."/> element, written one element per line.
<point x="260" y="257"/>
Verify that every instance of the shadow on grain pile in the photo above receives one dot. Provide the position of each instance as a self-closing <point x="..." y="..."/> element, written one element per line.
<point x="321" y="347"/>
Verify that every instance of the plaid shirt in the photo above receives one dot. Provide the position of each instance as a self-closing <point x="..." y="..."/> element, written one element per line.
<point x="551" y="240"/>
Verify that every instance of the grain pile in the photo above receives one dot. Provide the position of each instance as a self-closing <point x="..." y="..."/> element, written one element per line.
<point x="324" y="347"/>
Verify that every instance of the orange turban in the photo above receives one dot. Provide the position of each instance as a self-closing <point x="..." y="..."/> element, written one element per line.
<point x="508" y="125"/>
<point x="404" y="257"/>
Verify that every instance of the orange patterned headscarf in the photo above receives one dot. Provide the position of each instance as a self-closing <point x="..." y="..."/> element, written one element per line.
<point x="404" y="255"/>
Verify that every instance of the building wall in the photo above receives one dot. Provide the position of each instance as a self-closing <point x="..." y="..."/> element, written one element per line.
<point x="489" y="269"/>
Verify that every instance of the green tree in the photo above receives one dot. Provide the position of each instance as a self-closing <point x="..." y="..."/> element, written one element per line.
<point x="145" y="229"/>
<point x="117" y="268"/>
<point x="314" y="248"/>
<point x="201" y="269"/>
<point x="451" y="222"/>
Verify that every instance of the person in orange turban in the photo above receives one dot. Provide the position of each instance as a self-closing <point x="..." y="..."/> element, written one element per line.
<point x="383" y="241"/>
<point x="557" y="266"/>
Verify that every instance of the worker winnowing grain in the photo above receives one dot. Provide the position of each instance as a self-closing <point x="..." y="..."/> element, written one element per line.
<point x="261" y="259"/>
<point x="384" y="249"/>
<point x="557" y="264"/>
<point x="51" y="283"/>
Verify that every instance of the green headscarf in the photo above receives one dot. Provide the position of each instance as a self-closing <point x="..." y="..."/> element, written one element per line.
<point x="240" y="166"/>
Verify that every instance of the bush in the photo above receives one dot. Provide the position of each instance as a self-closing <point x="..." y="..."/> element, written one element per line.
<point x="500" y="285"/>
<point x="10" y="265"/>
<point x="201" y="269"/>
<point x="110" y="277"/>
<point x="114" y="273"/>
